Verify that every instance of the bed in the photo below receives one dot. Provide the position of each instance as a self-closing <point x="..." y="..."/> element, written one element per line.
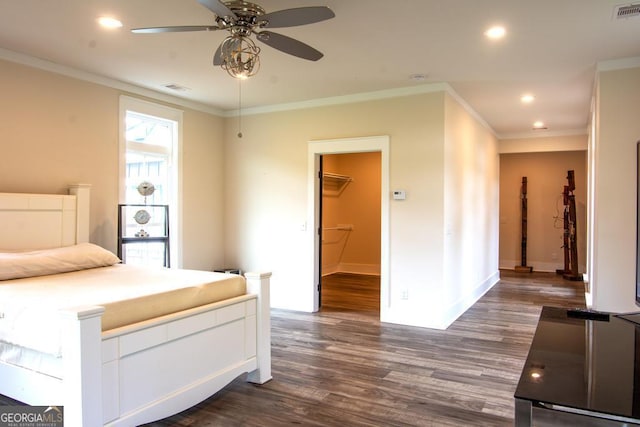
<point x="109" y="359"/>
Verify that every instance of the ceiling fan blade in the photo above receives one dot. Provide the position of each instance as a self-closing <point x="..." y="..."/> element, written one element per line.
<point x="175" y="29"/>
<point x="296" y="16"/>
<point x="289" y="45"/>
<point x="217" y="7"/>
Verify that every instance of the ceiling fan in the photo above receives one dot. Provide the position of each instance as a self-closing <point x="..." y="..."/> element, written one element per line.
<point x="238" y="54"/>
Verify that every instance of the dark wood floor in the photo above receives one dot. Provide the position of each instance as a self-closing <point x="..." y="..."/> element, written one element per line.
<point x="351" y="292"/>
<point x="342" y="367"/>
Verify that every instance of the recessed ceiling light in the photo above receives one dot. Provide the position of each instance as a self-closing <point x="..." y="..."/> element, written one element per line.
<point x="539" y="125"/>
<point x="108" y="22"/>
<point x="527" y="98"/>
<point x="496" y="32"/>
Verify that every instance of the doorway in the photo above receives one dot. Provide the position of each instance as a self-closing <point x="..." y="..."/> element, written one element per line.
<point x="316" y="151"/>
<point x="350" y="232"/>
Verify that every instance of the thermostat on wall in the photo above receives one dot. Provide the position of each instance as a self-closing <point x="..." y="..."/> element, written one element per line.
<point x="399" y="195"/>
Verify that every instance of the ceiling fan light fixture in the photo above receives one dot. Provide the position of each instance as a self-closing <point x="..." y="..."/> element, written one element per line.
<point x="240" y="56"/>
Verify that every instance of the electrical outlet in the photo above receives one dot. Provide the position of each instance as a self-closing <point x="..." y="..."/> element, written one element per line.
<point x="554" y="256"/>
<point x="405" y="294"/>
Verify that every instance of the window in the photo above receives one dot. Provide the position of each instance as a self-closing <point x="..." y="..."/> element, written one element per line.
<point x="150" y="137"/>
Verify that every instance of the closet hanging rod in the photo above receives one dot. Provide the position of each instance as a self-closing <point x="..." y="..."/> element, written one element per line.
<point x="340" y="228"/>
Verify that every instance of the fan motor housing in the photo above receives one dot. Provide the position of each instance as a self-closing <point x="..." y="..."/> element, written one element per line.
<point x="247" y="14"/>
<point x="245" y="9"/>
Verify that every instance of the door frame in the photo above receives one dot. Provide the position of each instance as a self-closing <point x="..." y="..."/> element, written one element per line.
<point x="318" y="148"/>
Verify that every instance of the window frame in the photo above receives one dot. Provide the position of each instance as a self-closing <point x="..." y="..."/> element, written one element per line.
<point x="128" y="103"/>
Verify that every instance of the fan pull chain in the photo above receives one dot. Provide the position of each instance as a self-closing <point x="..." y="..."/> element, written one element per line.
<point x="239" y="108"/>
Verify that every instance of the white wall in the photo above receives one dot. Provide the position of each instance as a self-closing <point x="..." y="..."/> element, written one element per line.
<point x="471" y="210"/>
<point x="613" y="216"/>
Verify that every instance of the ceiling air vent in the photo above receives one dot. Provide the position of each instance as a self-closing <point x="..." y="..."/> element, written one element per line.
<point x="627" y="11"/>
<point x="176" y="87"/>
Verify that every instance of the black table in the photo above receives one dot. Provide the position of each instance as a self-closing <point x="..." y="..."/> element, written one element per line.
<point x="580" y="372"/>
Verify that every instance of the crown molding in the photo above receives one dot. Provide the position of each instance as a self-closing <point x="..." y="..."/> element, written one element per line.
<point x="364" y="97"/>
<point x="341" y="100"/>
<point x="470" y="110"/>
<point x="543" y="134"/>
<point x="53" y="67"/>
<point x="618" y="64"/>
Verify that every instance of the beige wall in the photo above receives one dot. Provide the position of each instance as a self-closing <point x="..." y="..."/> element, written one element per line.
<point x="358" y="250"/>
<point x="617" y="131"/>
<point x="546" y="174"/>
<point x="203" y="191"/>
<point x="267" y="200"/>
<point x="57" y="130"/>
<point x="245" y="201"/>
<point x="267" y="204"/>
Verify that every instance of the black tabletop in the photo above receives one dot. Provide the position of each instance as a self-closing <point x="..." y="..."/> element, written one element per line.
<point x="584" y="364"/>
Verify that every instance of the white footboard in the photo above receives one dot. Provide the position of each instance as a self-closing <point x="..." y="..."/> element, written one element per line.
<point x="154" y="369"/>
<point x="82" y="373"/>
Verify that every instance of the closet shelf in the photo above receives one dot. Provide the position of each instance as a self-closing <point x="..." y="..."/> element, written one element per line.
<point x="333" y="184"/>
<point x="340" y="227"/>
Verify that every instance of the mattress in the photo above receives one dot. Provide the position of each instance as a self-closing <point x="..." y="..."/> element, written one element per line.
<point x="29" y="308"/>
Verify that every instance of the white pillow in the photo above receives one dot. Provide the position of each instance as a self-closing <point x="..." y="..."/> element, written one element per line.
<point x="17" y="265"/>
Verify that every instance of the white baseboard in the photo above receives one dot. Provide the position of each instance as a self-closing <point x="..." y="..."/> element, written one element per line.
<point x="367" y="269"/>
<point x="543" y="267"/>
<point x="459" y="307"/>
<point x="413" y="313"/>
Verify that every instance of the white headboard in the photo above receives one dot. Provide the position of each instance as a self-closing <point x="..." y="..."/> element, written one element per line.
<point x="42" y="221"/>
